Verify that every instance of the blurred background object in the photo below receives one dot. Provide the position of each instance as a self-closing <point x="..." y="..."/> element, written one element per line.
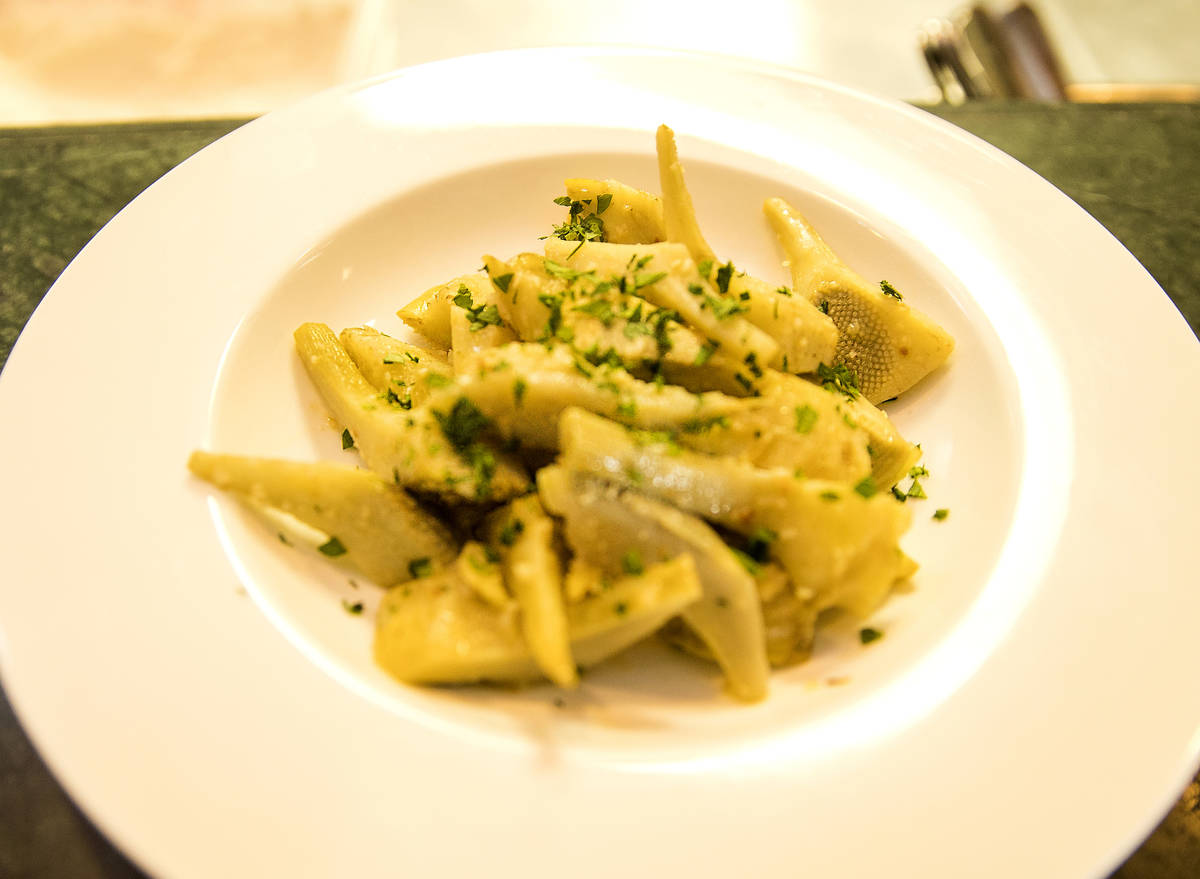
<point x="978" y="53"/>
<point x="96" y="60"/>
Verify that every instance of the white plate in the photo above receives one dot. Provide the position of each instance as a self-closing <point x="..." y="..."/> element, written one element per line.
<point x="1032" y="709"/>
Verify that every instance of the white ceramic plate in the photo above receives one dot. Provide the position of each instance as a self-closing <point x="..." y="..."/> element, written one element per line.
<point x="1032" y="709"/>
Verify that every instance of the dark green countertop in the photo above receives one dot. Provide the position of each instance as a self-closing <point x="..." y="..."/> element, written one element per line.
<point x="1135" y="168"/>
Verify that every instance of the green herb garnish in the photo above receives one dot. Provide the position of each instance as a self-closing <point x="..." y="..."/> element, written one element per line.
<point x="838" y="378"/>
<point x="599" y="309"/>
<point x="758" y="545"/>
<point x="806" y="418"/>
<point x="752" y="567"/>
<point x="725" y="308"/>
<point x="889" y="290"/>
<point x="941" y="514"/>
<point x="645" y="279"/>
<point x="510" y="532"/>
<point x="332" y="548"/>
<point x="567" y="273"/>
<point x="421" y="567"/>
<point x="579" y="227"/>
<point x="480" y="315"/>
<point x="463" y="424"/>
<point x="631" y="563"/>
<point x="868" y="635"/>
<point x="347" y="440"/>
<point x="724" y="276"/>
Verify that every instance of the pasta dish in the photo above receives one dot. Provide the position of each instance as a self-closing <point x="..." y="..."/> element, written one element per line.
<point x="619" y="436"/>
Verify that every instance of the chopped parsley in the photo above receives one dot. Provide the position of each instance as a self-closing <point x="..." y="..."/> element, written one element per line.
<point x="752" y="567"/>
<point x="725" y="308"/>
<point x="421" y="567"/>
<point x="502" y="281"/>
<point x="634" y="329"/>
<point x="355" y="608"/>
<point x="866" y="487"/>
<point x="830" y="496"/>
<point x="580" y="227"/>
<point x="463" y="424"/>
<point x="889" y="290"/>
<point x="621" y="608"/>
<point x="554" y="326"/>
<point x="347" y="440"/>
<point x="631" y="563"/>
<point x="602" y="202"/>
<point x="838" y="378"/>
<point x="332" y="548"/>
<point x="867" y="635"/>
<point x="558" y="270"/>
<point x="806" y="418"/>
<point x="437" y="380"/>
<point x="519" y="388"/>
<point x="704" y="267"/>
<point x="599" y="309"/>
<point x="511" y="531"/>
<point x="758" y="545"/>
<point x="824" y="306"/>
<point x="645" y="279"/>
<point x="660" y="322"/>
<point x="915" y="490"/>
<point x="724" y="276"/>
<point x="480" y="315"/>
<point x="706" y="351"/>
<point x="941" y="514"/>
<point x="699" y="425"/>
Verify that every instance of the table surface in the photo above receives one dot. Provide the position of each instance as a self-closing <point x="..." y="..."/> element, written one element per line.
<point x="1134" y="167"/>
